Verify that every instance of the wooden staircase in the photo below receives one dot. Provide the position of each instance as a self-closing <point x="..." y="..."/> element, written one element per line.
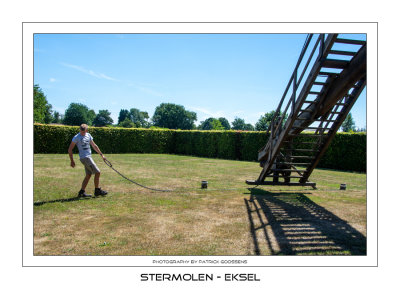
<point x="315" y="107"/>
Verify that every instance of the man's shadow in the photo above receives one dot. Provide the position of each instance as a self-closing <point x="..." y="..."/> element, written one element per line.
<point x="60" y="201"/>
<point x="288" y="223"/>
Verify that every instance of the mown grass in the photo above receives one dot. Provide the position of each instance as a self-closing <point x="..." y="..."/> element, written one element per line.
<point x="228" y="218"/>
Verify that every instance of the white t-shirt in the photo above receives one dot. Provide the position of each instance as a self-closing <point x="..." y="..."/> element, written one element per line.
<point x="83" y="144"/>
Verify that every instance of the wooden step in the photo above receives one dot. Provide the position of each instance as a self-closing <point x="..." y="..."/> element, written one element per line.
<point x="311" y="127"/>
<point x="309" y="101"/>
<point x="324" y="73"/>
<point x="319" y="83"/>
<point x="289" y="177"/>
<point x="301" y="157"/>
<point x="316" y="130"/>
<point x="313" y="143"/>
<point x="335" y="63"/>
<point x="269" y="183"/>
<point x="302" y="118"/>
<point x="293" y="164"/>
<point x="340" y="52"/>
<point x="287" y="170"/>
<point x="326" y="120"/>
<point x="350" y="41"/>
<point x="300" y="142"/>
<point x="301" y="150"/>
<point x="309" y="135"/>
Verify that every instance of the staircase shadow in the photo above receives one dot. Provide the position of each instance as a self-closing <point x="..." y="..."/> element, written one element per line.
<point x="291" y="224"/>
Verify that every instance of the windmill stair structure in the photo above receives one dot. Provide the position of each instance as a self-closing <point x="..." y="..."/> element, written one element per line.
<point x="312" y="109"/>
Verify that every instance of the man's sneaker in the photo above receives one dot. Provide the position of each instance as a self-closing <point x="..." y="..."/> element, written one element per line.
<point x="82" y="194"/>
<point x="99" y="192"/>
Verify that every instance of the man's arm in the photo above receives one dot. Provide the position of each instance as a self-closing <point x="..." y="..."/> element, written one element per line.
<point x="71" y="156"/>
<point x="96" y="148"/>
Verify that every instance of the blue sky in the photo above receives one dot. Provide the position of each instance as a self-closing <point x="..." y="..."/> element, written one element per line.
<point x="214" y="75"/>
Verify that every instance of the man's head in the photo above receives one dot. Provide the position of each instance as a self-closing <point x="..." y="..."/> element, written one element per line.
<point x="83" y="129"/>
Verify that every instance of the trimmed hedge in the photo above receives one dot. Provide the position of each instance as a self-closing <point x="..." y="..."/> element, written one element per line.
<point x="215" y="144"/>
<point x="56" y="139"/>
<point x="346" y="152"/>
<point x="251" y="143"/>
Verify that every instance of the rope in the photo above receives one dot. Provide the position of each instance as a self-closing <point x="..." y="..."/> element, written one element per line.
<point x="108" y="163"/>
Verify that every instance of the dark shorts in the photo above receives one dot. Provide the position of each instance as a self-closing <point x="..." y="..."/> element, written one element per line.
<point x="90" y="166"/>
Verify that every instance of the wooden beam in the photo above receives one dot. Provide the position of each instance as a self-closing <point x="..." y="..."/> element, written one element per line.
<point x="356" y="70"/>
<point x="267" y="183"/>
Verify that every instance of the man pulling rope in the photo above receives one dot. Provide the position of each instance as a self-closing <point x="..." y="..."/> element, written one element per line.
<point x="83" y="140"/>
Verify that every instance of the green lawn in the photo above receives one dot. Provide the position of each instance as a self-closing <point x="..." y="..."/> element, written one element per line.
<point x="228" y="218"/>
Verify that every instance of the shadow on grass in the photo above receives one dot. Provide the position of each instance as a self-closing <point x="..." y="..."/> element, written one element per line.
<point x="291" y="224"/>
<point x="60" y="201"/>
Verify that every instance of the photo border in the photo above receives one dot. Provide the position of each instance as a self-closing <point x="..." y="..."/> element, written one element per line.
<point x="31" y="28"/>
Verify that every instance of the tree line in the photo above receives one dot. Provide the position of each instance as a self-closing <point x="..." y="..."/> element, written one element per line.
<point x="166" y="115"/>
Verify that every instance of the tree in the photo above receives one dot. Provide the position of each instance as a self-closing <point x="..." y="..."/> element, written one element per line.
<point x="249" y="127"/>
<point x="225" y="123"/>
<point x="41" y="108"/>
<point x="77" y="113"/>
<point x="265" y="120"/>
<point x="91" y="116"/>
<point x="123" y="114"/>
<point x="139" y="118"/>
<point x="238" y="124"/>
<point x="127" y="123"/>
<point x="216" y="125"/>
<point x="206" y="124"/>
<point x="348" y="124"/>
<point x="173" y="116"/>
<point x="103" y="118"/>
<point x="57" y="117"/>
